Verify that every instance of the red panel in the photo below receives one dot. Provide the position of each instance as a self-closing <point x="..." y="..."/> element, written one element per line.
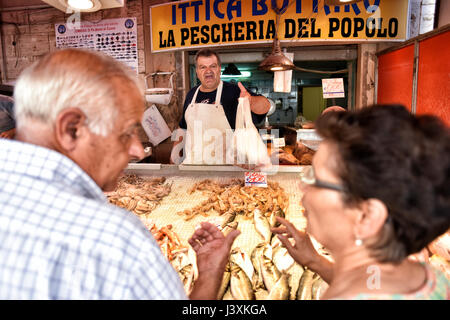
<point x="433" y="90"/>
<point x="395" y="76"/>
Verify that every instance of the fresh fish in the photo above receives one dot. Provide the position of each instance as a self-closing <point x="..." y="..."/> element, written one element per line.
<point x="193" y="259"/>
<point x="180" y="260"/>
<point x="280" y="291"/>
<point x="304" y="291"/>
<point x="296" y="273"/>
<point x="261" y="294"/>
<point x="262" y="225"/>
<point x="257" y="279"/>
<point x="268" y="251"/>
<point x="225" y="282"/>
<point x="275" y="242"/>
<point x="240" y="284"/>
<point x="241" y="259"/>
<point x="276" y="213"/>
<point x="228" y="295"/>
<point x="228" y="218"/>
<point x="269" y="271"/>
<point x="319" y="287"/>
<point x="187" y="277"/>
<point x="229" y="227"/>
<point x="282" y="259"/>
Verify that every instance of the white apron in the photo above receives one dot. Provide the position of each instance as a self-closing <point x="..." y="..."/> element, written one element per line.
<point x="207" y="131"/>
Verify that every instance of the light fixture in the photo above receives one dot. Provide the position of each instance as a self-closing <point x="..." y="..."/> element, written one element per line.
<point x="244" y="74"/>
<point x="276" y="61"/>
<point x="231" y="70"/>
<point x="68" y="6"/>
<point x="340" y="2"/>
<point x="80" y="4"/>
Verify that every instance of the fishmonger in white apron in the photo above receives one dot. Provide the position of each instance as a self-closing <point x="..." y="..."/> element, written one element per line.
<point x="207" y="131"/>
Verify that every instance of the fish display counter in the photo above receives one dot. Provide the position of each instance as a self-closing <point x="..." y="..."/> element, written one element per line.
<point x="172" y="200"/>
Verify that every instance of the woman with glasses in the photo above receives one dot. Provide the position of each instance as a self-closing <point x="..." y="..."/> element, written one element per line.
<point x="378" y="191"/>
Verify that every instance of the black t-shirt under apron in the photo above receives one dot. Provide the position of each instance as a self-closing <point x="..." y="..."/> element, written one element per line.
<point x="229" y="101"/>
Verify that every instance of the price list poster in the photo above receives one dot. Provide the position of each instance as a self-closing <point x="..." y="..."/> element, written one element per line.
<point x="114" y="37"/>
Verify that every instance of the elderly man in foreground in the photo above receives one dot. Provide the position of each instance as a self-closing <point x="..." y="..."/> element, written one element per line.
<point x="76" y="114"/>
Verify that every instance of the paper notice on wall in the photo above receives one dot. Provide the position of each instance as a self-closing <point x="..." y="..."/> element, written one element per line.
<point x="154" y="126"/>
<point x="115" y="37"/>
<point x="333" y="88"/>
<point x="282" y="79"/>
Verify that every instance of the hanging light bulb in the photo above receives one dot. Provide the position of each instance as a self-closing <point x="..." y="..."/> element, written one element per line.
<point x="276" y="61"/>
<point x="81" y="4"/>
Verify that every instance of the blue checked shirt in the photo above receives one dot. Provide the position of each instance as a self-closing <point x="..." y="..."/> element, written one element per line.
<point x="61" y="239"/>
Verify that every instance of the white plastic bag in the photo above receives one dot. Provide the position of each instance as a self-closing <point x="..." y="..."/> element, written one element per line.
<point x="249" y="148"/>
<point x="159" y="95"/>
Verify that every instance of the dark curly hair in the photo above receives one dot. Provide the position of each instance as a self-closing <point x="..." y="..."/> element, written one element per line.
<point x="403" y="160"/>
<point x="207" y="53"/>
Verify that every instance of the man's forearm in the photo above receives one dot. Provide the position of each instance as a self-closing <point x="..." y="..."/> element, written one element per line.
<point x="259" y="104"/>
<point x="206" y="287"/>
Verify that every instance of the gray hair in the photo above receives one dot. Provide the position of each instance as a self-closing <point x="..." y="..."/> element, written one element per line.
<point x="71" y="78"/>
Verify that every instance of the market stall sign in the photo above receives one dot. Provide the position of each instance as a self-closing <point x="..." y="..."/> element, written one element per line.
<point x="202" y="23"/>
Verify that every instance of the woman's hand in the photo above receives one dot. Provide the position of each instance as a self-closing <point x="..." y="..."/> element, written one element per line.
<point x="302" y="250"/>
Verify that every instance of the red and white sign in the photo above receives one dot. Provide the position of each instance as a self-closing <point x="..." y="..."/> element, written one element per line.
<point x="256" y="179"/>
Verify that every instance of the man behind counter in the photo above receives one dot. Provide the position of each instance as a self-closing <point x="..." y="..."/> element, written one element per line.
<point x="77" y="114"/>
<point x="211" y="107"/>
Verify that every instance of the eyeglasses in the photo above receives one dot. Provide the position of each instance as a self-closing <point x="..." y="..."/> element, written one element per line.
<point x="307" y="176"/>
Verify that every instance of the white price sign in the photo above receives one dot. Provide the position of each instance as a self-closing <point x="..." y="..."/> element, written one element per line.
<point x="279" y="143"/>
<point x="333" y="88"/>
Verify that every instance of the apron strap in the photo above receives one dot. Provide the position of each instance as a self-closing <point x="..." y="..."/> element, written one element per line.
<point x="218" y="94"/>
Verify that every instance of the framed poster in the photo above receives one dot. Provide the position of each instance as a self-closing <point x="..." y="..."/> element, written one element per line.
<point x="114" y="37"/>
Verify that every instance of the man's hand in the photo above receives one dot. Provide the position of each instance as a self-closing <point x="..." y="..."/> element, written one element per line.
<point x="244" y="92"/>
<point x="213" y="251"/>
<point x="258" y="104"/>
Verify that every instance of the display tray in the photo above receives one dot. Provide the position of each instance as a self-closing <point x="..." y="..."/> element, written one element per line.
<point x="179" y="199"/>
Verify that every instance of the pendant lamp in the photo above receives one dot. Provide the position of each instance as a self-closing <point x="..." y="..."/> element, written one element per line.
<point x="231" y="70"/>
<point x="276" y="61"/>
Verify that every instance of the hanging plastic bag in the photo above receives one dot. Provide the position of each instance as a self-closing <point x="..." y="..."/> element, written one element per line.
<point x="159" y="95"/>
<point x="250" y="150"/>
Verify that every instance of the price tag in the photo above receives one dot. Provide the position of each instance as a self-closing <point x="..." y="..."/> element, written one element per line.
<point x="333" y="88"/>
<point x="256" y="179"/>
<point x="278" y="143"/>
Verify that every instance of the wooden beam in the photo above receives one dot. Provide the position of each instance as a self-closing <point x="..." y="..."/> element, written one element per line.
<point x="365" y="77"/>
